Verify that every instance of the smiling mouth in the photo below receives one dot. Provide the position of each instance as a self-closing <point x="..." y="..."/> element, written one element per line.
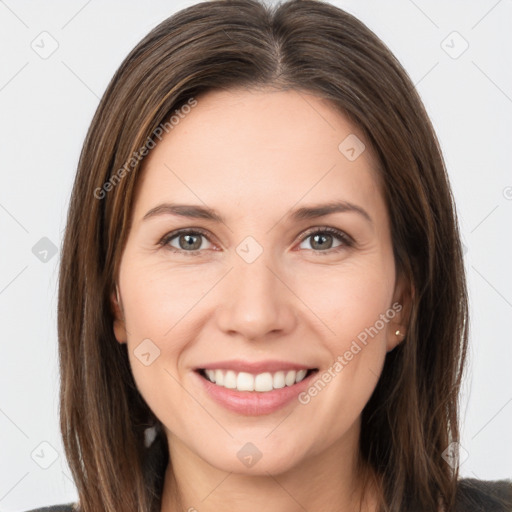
<point x="261" y="383"/>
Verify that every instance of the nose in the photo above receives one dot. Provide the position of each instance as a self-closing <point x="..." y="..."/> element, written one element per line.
<point x="256" y="302"/>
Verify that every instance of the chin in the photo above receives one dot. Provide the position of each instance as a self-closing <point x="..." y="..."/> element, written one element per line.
<point x="257" y="457"/>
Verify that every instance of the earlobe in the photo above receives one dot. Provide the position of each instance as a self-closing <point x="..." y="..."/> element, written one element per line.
<point x="395" y="337"/>
<point x="404" y="293"/>
<point x="119" y="322"/>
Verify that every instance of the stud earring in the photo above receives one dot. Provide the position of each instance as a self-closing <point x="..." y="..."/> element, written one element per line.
<point x="398" y="333"/>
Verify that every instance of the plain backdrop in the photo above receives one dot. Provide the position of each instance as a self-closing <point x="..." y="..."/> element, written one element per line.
<point x="459" y="55"/>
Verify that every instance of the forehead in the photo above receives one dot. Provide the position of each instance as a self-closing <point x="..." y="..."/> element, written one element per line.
<point x="237" y="150"/>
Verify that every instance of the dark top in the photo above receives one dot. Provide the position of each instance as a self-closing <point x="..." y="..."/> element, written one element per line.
<point x="472" y="496"/>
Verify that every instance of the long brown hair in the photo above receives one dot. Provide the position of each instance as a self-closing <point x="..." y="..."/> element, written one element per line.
<point x="304" y="45"/>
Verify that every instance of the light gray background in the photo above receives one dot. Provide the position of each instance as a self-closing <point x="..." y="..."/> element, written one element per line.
<point x="47" y="104"/>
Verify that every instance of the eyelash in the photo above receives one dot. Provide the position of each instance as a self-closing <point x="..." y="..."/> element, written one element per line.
<point x="346" y="240"/>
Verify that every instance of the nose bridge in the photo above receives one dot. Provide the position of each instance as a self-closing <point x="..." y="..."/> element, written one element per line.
<point x="254" y="302"/>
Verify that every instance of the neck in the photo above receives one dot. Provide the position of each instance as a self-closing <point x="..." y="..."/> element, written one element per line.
<point x="333" y="479"/>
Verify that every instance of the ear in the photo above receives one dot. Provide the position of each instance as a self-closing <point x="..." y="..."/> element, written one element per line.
<point x="119" y="321"/>
<point x="401" y="305"/>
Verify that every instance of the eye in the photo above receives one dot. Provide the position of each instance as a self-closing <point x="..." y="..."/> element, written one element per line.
<point x="322" y="240"/>
<point x="190" y="241"/>
<point x="185" y="241"/>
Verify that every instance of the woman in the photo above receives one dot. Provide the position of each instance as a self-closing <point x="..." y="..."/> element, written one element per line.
<point x="264" y="306"/>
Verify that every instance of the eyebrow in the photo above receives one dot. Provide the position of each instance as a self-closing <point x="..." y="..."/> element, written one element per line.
<point x="303" y="213"/>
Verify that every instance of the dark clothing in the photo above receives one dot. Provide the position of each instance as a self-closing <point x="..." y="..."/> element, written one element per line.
<point x="484" y="495"/>
<point x="55" y="508"/>
<point x="472" y="496"/>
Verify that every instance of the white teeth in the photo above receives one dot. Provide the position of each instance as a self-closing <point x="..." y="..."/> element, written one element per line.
<point x="230" y="379"/>
<point x="290" y="378"/>
<point x="244" y="382"/>
<point x="262" y="382"/>
<point x="219" y="377"/>
<point x="279" y="380"/>
<point x="300" y="375"/>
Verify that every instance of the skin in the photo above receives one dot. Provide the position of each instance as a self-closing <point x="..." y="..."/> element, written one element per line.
<point x="253" y="156"/>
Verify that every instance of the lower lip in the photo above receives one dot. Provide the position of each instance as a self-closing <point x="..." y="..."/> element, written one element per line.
<point x="254" y="403"/>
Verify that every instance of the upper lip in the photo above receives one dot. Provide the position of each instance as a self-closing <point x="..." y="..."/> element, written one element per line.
<point x="254" y="367"/>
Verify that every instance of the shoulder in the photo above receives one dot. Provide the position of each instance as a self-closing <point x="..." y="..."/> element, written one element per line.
<point x="472" y="496"/>
<point x="68" y="507"/>
<point x="484" y="495"/>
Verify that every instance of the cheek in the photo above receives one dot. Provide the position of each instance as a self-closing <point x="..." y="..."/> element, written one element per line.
<point x="354" y="302"/>
<point x="158" y="302"/>
<point x="350" y="298"/>
<point x="158" y="298"/>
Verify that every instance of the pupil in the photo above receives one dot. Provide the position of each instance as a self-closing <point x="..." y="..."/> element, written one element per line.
<point x="189" y="242"/>
<point x="322" y="245"/>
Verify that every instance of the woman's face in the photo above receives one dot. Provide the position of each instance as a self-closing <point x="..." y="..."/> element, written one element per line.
<point x="258" y="293"/>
